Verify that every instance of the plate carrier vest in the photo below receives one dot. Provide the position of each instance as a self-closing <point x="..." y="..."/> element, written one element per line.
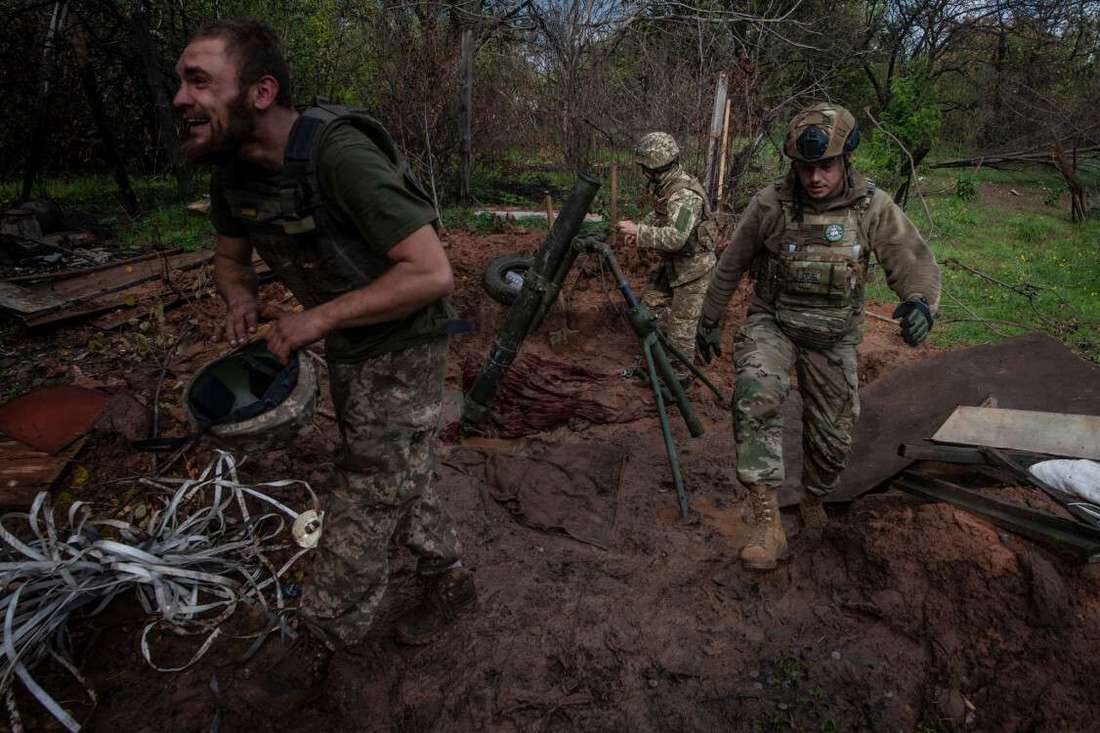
<point x="815" y="280"/>
<point x="317" y="255"/>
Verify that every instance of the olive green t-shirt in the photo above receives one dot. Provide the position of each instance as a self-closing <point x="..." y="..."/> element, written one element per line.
<point x="364" y="191"/>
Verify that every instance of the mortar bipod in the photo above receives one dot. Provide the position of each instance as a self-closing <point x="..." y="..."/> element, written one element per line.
<point x="658" y="366"/>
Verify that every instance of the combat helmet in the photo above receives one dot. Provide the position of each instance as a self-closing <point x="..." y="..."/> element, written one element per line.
<point x="656" y="151"/>
<point x="821" y="131"/>
<point x="249" y="401"/>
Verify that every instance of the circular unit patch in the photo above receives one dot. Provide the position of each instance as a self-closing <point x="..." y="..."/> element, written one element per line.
<point x="834" y="233"/>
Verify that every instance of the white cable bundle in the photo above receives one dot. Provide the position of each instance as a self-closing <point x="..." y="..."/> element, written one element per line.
<point x="190" y="570"/>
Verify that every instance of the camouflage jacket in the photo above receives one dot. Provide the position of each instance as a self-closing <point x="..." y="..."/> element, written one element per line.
<point x="676" y="228"/>
<point x="911" y="269"/>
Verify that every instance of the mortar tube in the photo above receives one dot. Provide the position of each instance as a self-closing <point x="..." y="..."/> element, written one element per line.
<point x="517" y="321"/>
<point x="553" y="288"/>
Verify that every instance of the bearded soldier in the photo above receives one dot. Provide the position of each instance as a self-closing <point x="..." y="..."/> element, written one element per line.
<point x="808" y="241"/>
<point x="325" y="199"/>
<point x="681" y="232"/>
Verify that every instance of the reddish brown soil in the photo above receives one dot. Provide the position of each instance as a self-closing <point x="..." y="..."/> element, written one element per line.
<point x="899" y="616"/>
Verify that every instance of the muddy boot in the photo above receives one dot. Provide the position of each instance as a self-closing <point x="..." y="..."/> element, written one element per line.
<point x="768" y="540"/>
<point x="285" y="674"/>
<point x="812" y="510"/>
<point x="450" y="593"/>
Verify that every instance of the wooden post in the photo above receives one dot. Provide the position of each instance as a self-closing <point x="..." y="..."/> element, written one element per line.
<point x="466" y="113"/>
<point x="549" y="203"/>
<point x="722" y="159"/>
<point x="614" y="233"/>
<point x="715" y="133"/>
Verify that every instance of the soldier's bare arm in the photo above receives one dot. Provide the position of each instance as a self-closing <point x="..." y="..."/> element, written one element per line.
<point x="735" y="261"/>
<point x="236" y="282"/>
<point x="421" y="274"/>
<point x="910" y="266"/>
<point x="684" y="210"/>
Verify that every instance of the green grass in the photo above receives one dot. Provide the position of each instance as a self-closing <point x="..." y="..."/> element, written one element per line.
<point x="93" y="198"/>
<point x="1049" y="267"/>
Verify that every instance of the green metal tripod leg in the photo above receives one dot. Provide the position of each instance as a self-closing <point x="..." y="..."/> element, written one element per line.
<point x="682" y="358"/>
<point x="666" y="430"/>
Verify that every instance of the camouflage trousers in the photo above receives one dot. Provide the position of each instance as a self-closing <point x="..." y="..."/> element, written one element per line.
<point x="389" y="410"/>
<point x="678" y="310"/>
<point x="827" y="380"/>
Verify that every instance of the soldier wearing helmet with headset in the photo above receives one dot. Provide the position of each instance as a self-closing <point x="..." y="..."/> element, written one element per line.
<point x="681" y="231"/>
<point x="808" y="241"/>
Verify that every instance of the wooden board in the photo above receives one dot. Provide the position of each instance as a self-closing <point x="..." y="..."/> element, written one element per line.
<point x="25" y="471"/>
<point x="1074" y="436"/>
<point x="25" y="301"/>
<point x="65" y="298"/>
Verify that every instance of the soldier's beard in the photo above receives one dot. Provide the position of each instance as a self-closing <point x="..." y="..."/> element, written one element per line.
<point x="223" y="142"/>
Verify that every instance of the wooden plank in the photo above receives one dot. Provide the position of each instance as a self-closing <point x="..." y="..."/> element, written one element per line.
<point x="89" y="294"/>
<point x="123" y="275"/>
<point x="25" y="301"/>
<point x="1074" y="436"/>
<point x="25" y="471"/>
<point x="36" y="277"/>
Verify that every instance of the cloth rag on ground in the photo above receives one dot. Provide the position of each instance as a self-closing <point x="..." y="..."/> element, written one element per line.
<point x="1079" y="478"/>
<point x="540" y="394"/>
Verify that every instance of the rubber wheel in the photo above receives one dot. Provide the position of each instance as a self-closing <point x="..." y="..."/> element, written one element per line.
<point x="496" y="283"/>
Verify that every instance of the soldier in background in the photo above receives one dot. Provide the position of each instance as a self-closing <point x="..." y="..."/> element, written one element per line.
<point x="808" y="241"/>
<point x="682" y="233"/>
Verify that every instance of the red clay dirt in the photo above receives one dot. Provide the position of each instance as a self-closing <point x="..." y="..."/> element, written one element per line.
<point x="601" y="610"/>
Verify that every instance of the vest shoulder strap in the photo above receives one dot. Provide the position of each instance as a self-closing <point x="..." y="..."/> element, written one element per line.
<point x="691" y="184"/>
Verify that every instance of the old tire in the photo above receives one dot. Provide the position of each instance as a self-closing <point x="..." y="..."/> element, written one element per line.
<point x="496" y="276"/>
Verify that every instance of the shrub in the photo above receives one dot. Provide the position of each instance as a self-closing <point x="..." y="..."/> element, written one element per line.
<point x="966" y="187"/>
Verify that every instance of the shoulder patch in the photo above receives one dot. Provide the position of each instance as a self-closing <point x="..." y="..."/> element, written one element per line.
<point x="683" y="219"/>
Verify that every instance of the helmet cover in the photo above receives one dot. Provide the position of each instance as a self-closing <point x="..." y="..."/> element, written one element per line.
<point x="656" y="150"/>
<point x="820" y="132"/>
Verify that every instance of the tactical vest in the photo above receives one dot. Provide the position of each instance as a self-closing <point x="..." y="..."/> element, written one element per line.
<point x="696" y="258"/>
<point x="705" y="234"/>
<point x="316" y="255"/>
<point x="814" y="278"/>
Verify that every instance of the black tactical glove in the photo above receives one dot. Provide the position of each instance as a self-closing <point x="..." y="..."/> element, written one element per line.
<point x="708" y="340"/>
<point x="916" y="320"/>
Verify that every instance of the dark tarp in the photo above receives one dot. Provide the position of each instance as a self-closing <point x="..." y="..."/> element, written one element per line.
<point x="1029" y="372"/>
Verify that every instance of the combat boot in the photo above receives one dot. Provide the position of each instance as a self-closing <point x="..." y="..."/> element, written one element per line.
<point x="812" y="510"/>
<point x="768" y="541"/>
<point x="449" y="594"/>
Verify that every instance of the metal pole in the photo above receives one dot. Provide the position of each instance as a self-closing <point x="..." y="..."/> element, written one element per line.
<point x="666" y="429"/>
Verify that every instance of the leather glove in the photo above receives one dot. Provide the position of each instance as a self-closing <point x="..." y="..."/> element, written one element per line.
<point x="708" y="340"/>
<point x="916" y="320"/>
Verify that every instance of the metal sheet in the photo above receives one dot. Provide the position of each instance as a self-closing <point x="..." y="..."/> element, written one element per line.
<point x="1059" y="434"/>
<point x="49" y="419"/>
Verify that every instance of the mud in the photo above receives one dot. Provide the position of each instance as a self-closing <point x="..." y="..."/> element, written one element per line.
<point x="610" y="613"/>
